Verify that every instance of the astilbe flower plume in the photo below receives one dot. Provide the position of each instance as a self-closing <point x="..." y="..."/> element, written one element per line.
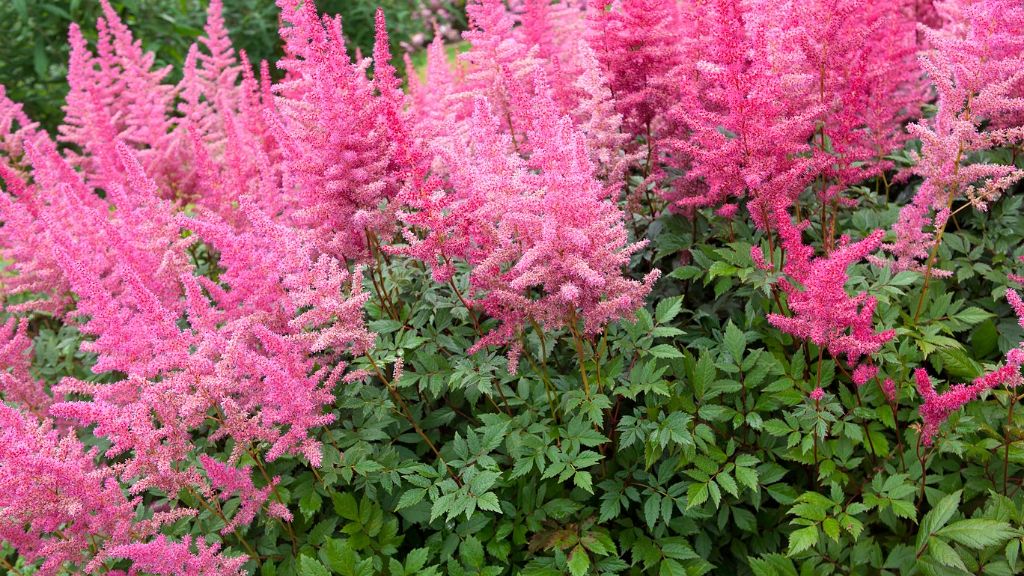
<point x="166" y="558"/>
<point x="17" y="385"/>
<point x="544" y="242"/>
<point x="936" y="408"/>
<point x="740" y="126"/>
<point x="496" y="61"/>
<point x="975" y="64"/>
<point x="340" y="177"/>
<point x="865" y="80"/>
<point x="57" y="506"/>
<point x="116" y="94"/>
<point x="821" y="309"/>
<point x="638" y="43"/>
<point x="53" y="500"/>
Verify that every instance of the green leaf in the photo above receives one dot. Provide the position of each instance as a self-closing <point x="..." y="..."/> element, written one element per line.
<point x="802" y="539"/>
<point x="579" y="561"/>
<point x="957" y="363"/>
<point x="339" y="555"/>
<point x="489" y="501"/>
<point x="668" y="309"/>
<point x="696" y="494"/>
<point x="310" y="504"/>
<point x="978" y="533"/>
<point x="584" y="481"/>
<point x="984" y="339"/>
<point x="472" y="552"/>
<point x="311" y="567"/>
<point x="652" y="508"/>
<point x="735" y="342"/>
<point x="944" y="554"/>
<point x="410" y="497"/>
<point x="972" y="315"/>
<point x="345" y="505"/>
<point x="670" y="567"/>
<point x="938" y="516"/>
<point x="665" y="351"/>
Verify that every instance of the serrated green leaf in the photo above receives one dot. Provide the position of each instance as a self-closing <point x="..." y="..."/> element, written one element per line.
<point x="579" y="561"/>
<point x="802" y="539"/>
<point x="978" y="532"/>
<point x="665" y="351"/>
<point x="311" y="567"/>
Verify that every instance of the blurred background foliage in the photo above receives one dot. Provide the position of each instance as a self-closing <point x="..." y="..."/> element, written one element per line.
<point x="34" y="50"/>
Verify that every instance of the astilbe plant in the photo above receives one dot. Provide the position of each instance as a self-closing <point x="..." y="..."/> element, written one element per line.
<point x="545" y="243"/>
<point x="188" y="375"/>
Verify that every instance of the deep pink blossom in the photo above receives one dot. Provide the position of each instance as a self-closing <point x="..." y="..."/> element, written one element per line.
<point x="821" y="310"/>
<point x="166" y="558"/>
<point x="55" y="501"/>
<point x="975" y="64"/>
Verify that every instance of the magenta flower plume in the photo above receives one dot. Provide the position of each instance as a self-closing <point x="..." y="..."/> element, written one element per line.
<point x="975" y="62"/>
<point x="166" y="558"/>
<point x="822" y="311"/>
<point x="340" y="177"/>
<point x="16" y="383"/>
<point x="116" y="94"/>
<point x="544" y="243"/>
<point x="55" y="502"/>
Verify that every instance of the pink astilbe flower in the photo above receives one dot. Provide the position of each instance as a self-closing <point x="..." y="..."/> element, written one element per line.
<point x="822" y="311"/>
<point x="431" y="97"/>
<point x="15" y="128"/>
<point x="230" y="481"/>
<point x="936" y="408"/>
<point x="817" y="394"/>
<point x="863" y="373"/>
<point x="544" y="243"/>
<point x="1017" y="304"/>
<point x="740" y="126"/>
<point x="54" y="502"/>
<point x="496" y="58"/>
<point x="166" y="558"/>
<point x="976" y="66"/>
<point x="211" y="79"/>
<point x="866" y="81"/>
<point x="341" y="177"/>
<point x="555" y="29"/>
<point x="638" y="43"/>
<point x="598" y="120"/>
<point x="16" y="383"/>
<point x="889" y="389"/>
<point x="117" y="95"/>
<point x="24" y="242"/>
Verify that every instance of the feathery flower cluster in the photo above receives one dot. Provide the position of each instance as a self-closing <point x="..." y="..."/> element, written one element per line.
<point x="61" y="509"/>
<point x="256" y="347"/>
<point x="544" y="242"/>
<point x="822" y="311"/>
<point x="757" y="117"/>
<point x="936" y="408"/>
<point x="340" y="178"/>
<point x="975" y="62"/>
<point x="16" y="384"/>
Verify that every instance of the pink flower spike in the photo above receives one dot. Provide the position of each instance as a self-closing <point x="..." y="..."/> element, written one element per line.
<point x="889" y="389"/>
<point x="863" y="373"/>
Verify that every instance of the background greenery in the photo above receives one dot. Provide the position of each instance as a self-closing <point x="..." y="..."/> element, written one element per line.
<point x="34" y="50"/>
